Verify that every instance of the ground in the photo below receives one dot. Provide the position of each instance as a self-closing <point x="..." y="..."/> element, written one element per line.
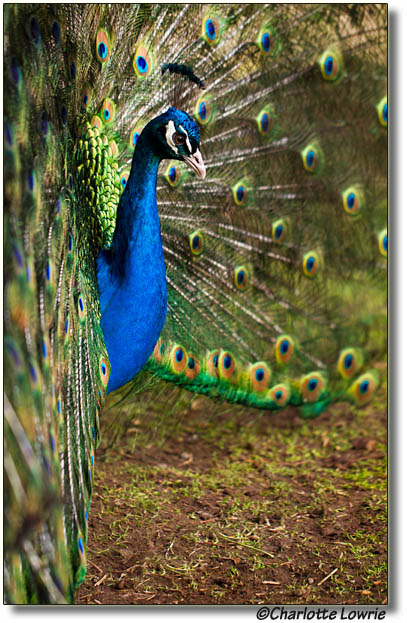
<point x="231" y="506"/>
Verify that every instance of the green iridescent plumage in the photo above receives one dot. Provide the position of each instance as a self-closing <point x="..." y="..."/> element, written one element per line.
<point x="276" y="262"/>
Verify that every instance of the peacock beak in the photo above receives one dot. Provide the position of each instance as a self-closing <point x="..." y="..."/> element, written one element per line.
<point x="196" y="163"/>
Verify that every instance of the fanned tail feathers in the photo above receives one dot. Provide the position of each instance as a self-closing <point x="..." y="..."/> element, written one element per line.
<point x="276" y="262"/>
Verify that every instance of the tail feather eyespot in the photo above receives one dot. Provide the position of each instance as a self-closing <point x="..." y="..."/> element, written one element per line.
<point x="264" y="123"/>
<point x="34" y="31"/>
<point x="364" y="387"/>
<point x="241" y="277"/>
<point x="279" y="230"/>
<point x="108" y="110"/>
<point x="280" y="394"/>
<point x="240" y="193"/>
<point x="177" y="359"/>
<point x="86" y="97"/>
<point x="267" y="41"/>
<point x="34" y="374"/>
<point x="102" y="46"/>
<point x="13" y="352"/>
<point x="196" y="243"/>
<point x="205" y="110"/>
<point x="31" y="180"/>
<point x="135" y="135"/>
<point x="382" y="112"/>
<point x="143" y="62"/>
<point x="284" y="349"/>
<point x="44" y="123"/>
<point x="173" y="174"/>
<point x="227" y="365"/>
<point x="331" y="65"/>
<point x="312" y="386"/>
<point x="124" y="176"/>
<point x="212" y="363"/>
<point x="312" y="158"/>
<point x="192" y="367"/>
<point x="56" y="30"/>
<point x="211" y="29"/>
<point x="382" y="239"/>
<point x="349" y="362"/>
<point x="311" y="264"/>
<point x="104" y="371"/>
<point x="353" y="200"/>
<point x="260" y="375"/>
<point x="72" y="68"/>
<point x="81" y="553"/>
<point x="81" y="307"/>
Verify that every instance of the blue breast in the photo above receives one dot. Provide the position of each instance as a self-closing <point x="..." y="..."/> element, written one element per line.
<point x="132" y="317"/>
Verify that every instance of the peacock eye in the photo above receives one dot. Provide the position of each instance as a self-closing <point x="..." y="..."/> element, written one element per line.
<point x="178" y="138"/>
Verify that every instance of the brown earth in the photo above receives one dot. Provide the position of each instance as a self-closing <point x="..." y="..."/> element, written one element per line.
<point x="241" y="508"/>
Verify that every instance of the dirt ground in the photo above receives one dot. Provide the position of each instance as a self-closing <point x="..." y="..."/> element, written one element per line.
<point x="240" y="507"/>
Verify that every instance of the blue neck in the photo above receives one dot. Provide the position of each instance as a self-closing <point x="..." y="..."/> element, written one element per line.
<point x="137" y="209"/>
<point x="131" y="274"/>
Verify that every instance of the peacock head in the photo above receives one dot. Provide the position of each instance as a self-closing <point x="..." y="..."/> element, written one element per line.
<point x="178" y="139"/>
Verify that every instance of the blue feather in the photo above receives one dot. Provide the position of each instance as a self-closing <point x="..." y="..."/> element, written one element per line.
<point x="131" y="273"/>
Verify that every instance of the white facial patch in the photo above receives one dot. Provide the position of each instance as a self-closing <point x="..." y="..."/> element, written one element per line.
<point x="188" y="144"/>
<point x="170" y="131"/>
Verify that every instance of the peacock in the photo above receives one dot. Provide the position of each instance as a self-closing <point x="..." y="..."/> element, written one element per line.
<point x="194" y="194"/>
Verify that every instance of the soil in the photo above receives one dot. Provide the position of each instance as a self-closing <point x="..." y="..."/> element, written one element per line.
<point x="239" y="507"/>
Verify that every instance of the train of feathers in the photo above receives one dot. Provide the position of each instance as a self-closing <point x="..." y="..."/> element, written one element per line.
<point x="194" y="194"/>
